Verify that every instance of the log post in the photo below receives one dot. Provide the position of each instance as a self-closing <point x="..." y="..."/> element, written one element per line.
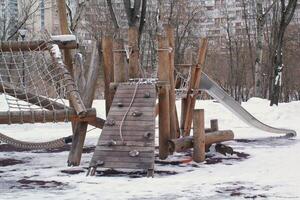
<point x="164" y="121"/>
<point x="80" y="129"/>
<point x="174" y="125"/>
<point x="185" y="143"/>
<point x="108" y="68"/>
<point x="199" y="136"/>
<point x="64" y="29"/>
<point x="120" y="67"/>
<point x="133" y="40"/>
<point x="164" y="112"/>
<point x="191" y="101"/>
<point x="214" y="125"/>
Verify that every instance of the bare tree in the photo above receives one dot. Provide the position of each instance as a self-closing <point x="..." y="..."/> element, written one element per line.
<point x="282" y="19"/>
<point x="11" y="24"/>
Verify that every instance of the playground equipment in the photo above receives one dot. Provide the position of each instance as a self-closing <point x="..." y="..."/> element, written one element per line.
<point x="36" y="87"/>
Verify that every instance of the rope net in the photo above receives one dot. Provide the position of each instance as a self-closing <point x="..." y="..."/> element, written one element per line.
<point x="31" y="81"/>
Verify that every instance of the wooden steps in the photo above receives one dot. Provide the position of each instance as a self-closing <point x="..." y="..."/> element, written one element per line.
<point x="136" y="151"/>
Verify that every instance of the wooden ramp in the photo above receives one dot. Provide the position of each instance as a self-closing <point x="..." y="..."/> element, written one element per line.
<point x="127" y="138"/>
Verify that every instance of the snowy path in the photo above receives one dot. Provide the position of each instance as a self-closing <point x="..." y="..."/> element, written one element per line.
<point x="270" y="172"/>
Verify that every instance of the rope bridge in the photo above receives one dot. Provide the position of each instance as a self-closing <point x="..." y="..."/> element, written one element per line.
<point x="35" y="83"/>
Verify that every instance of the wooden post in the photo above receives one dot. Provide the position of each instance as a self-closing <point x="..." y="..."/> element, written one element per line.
<point x="191" y="101"/>
<point x="174" y="125"/>
<point x="188" y="59"/>
<point x="108" y="68"/>
<point x="214" y="125"/>
<point x="79" y="129"/>
<point x="199" y="136"/>
<point x="133" y="39"/>
<point x="164" y="112"/>
<point x="64" y="28"/>
<point x="120" y="68"/>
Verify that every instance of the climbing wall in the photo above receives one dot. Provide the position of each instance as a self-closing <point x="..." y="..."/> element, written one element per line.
<point x="127" y="138"/>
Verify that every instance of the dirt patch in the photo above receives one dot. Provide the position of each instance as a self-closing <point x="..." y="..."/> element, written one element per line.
<point x="10" y="162"/>
<point x="72" y="172"/>
<point x="240" y="156"/>
<point x="34" y="184"/>
<point x="133" y="174"/>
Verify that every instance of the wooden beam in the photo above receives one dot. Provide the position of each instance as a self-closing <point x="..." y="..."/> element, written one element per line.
<point x="38" y="45"/>
<point x="108" y="68"/>
<point x="23" y="117"/>
<point x="191" y="101"/>
<point x="185" y="143"/>
<point x="199" y="136"/>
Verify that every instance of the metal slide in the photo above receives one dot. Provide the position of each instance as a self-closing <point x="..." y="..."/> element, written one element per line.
<point x="214" y="90"/>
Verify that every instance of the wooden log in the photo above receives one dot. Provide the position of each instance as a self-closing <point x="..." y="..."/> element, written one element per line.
<point x="191" y="101"/>
<point x="214" y="125"/>
<point x="164" y="121"/>
<point x="174" y="124"/>
<point x="185" y="143"/>
<point x="133" y="40"/>
<point x="38" y="45"/>
<point x="199" y="136"/>
<point x="79" y="129"/>
<point x="23" y="117"/>
<point x="120" y="67"/>
<point x="108" y="68"/>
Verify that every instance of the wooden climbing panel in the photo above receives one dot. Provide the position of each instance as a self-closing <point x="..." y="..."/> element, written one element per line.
<point x="127" y="138"/>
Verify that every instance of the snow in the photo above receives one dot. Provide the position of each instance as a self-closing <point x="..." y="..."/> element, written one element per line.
<point x="270" y="172"/>
<point x="63" y="38"/>
<point x="56" y="51"/>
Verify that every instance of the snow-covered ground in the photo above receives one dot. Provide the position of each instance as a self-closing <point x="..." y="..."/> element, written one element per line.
<point x="270" y="172"/>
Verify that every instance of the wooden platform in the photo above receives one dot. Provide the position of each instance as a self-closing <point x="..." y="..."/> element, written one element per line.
<point x="136" y="151"/>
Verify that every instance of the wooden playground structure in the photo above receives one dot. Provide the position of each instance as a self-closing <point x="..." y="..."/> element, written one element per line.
<point x="128" y="134"/>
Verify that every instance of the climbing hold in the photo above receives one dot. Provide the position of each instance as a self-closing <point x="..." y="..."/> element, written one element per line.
<point x="137" y="113"/>
<point x="111" y="143"/>
<point x="147" y="95"/>
<point x="134" y="153"/>
<point x="120" y="105"/>
<point x="99" y="163"/>
<point x="147" y="135"/>
<point x="110" y="122"/>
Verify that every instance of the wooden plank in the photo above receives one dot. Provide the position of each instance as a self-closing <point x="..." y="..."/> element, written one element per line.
<point x="99" y="154"/>
<point x="140" y="166"/>
<point x="132" y="123"/>
<point x="123" y="148"/>
<point x="120" y="66"/>
<point x="128" y="143"/>
<point x="135" y="132"/>
<point x="140" y="94"/>
<point x="137" y="160"/>
<point x="141" y="109"/>
<point x="139" y="90"/>
<point x="130" y="128"/>
<point x="128" y="86"/>
<point x="131" y="118"/>
<point x="117" y="138"/>
<point x="140" y="100"/>
<point x="126" y="104"/>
